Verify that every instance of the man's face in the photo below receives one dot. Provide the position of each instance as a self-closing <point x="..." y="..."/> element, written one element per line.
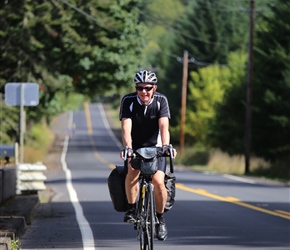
<point x="145" y="91"/>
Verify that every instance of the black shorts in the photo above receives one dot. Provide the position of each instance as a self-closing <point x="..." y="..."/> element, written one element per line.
<point x="162" y="164"/>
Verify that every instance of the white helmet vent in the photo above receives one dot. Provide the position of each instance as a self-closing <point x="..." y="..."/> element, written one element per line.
<point x="145" y="76"/>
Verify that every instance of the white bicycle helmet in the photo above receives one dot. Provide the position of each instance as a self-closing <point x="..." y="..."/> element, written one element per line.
<point x="145" y="76"/>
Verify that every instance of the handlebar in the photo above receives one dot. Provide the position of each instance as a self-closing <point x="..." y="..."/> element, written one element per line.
<point x="164" y="151"/>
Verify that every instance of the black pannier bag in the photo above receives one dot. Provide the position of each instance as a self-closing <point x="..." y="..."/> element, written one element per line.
<point x="170" y="187"/>
<point x="116" y="184"/>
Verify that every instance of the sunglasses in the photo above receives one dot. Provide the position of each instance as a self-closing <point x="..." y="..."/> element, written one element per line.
<point x="139" y="88"/>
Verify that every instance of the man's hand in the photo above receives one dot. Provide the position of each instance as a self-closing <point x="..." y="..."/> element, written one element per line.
<point x="169" y="150"/>
<point x="174" y="153"/>
<point x="124" y="153"/>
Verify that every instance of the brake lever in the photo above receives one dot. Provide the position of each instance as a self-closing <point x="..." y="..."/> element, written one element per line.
<point x="171" y="158"/>
<point x="125" y="153"/>
<point x="171" y="150"/>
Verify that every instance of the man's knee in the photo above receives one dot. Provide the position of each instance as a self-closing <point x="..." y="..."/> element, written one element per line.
<point x="132" y="174"/>
<point x="158" y="180"/>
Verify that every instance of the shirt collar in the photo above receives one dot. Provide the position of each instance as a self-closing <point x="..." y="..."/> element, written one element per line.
<point x="139" y="101"/>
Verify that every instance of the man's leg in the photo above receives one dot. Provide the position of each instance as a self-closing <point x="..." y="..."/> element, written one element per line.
<point x="160" y="197"/>
<point x="160" y="191"/>
<point x="131" y="186"/>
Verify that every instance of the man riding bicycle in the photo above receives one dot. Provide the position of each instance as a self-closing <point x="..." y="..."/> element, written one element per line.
<point x="144" y="117"/>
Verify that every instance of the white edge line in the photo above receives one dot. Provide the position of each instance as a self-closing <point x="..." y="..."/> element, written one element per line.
<point x="86" y="231"/>
<point x="236" y="178"/>
<point x="107" y="126"/>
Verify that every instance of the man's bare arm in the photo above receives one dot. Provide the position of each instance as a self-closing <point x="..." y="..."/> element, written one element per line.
<point x="126" y="124"/>
<point x="164" y="130"/>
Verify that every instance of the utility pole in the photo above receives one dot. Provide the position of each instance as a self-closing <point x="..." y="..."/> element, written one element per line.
<point x="183" y="100"/>
<point x="248" y="133"/>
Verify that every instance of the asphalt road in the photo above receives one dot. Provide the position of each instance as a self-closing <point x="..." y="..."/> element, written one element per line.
<point x="211" y="211"/>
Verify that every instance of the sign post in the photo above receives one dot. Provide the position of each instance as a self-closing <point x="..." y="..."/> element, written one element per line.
<point x="21" y="94"/>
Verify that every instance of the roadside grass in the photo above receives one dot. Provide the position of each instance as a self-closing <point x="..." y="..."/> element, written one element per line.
<point x="220" y="162"/>
<point x="217" y="161"/>
<point x="46" y="195"/>
<point x="278" y="170"/>
<point x="39" y="141"/>
<point x="15" y="243"/>
<point x="112" y="116"/>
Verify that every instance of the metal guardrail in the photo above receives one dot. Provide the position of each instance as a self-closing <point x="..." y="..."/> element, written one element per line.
<point x="30" y="178"/>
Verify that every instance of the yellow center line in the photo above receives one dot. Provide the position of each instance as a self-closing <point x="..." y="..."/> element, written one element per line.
<point x="283" y="212"/>
<point x="233" y="200"/>
<point x="88" y="118"/>
<point x="90" y="132"/>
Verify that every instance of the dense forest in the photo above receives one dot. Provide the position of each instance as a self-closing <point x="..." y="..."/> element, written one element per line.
<point x="80" y="49"/>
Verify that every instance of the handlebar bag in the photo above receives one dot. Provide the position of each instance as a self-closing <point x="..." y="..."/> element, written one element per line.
<point x="146" y="160"/>
<point x="116" y="185"/>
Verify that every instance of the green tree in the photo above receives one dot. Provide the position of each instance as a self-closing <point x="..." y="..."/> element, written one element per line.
<point x="115" y="42"/>
<point x="207" y="91"/>
<point x="96" y="45"/>
<point x="8" y="122"/>
<point x="69" y="49"/>
<point x="208" y="30"/>
<point x="160" y="31"/>
<point x="271" y="89"/>
<point x="226" y="131"/>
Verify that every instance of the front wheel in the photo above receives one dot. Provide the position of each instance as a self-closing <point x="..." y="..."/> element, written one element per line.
<point x="150" y="217"/>
<point x="143" y="240"/>
<point x="141" y="220"/>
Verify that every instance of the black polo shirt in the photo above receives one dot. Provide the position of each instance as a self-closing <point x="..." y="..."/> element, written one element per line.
<point x="145" y="128"/>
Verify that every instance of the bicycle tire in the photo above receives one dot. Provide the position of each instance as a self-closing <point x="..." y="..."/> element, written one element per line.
<point x="143" y="245"/>
<point x="140" y="224"/>
<point x="150" y="217"/>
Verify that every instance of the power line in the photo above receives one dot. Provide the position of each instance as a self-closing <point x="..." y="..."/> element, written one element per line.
<point x="181" y="33"/>
<point x="100" y="23"/>
<point x="192" y="60"/>
<point x="221" y="7"/>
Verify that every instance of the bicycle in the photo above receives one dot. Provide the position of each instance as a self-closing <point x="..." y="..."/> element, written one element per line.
<point x="146" y="219"/>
